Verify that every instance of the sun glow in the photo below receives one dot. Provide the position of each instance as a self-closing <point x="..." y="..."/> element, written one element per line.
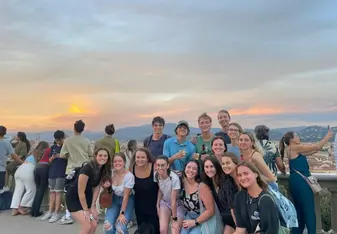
<point x="74" y="109"/>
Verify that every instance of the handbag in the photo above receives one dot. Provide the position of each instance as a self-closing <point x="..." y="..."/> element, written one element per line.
<point x="312" y="182"/>
<point x="105" y="199"/>
<point x="214" y="224"/>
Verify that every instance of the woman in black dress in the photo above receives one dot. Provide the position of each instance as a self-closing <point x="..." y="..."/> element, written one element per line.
<point x="82" y="195"/>
<point x="146" y="190"/>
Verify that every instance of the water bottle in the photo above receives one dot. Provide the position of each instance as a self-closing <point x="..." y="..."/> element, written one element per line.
<point x="107" y="225"/>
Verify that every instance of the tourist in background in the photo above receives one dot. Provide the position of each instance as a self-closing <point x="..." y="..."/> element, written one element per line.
<point x="41" y="175"/>
<point x="271" y="153"/>
<point x="25" y="187"/>
<point x="249" y="214"/>
<point x="215" y="178"/>
<point x="234" y="131"/>
<point x="77" y="150"/>
<point x="22" y="147"/>
<point x="169" y="206"/>
<point x="108" y="141"/>
<point x="155" y="142"/>
<point x="251" y="152"/>
<point x="146" y="190"/>
<point x="193" y="191"/>
<point x="302" y="194"/>
<point x="203" y="141"/>
<point x="130" y="153"/>
<point x="219" y="147"/>
<point x="6" y="150"/>
<point x="123" y="201"/>
<point x="82" y="195"/>
<point x="178" y="149"/>
<point x="56" y="178"/>
<point x="335" y="151"/>
<point x="224" y="119"/>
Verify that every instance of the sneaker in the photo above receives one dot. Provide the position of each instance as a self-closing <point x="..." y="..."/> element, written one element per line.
<point x="54" y="218"/>
<point x="66" y="220"/>
<point x="48" y="215"/>
<point x="4" y="189"/>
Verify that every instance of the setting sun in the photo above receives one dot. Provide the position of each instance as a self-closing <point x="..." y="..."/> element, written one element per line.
<point x="75" y="109"/>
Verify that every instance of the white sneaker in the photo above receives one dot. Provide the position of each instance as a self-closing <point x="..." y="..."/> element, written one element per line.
<point x="66" y="220"/>
<point x="46" y="216"/>
<point x="55" y="217"/>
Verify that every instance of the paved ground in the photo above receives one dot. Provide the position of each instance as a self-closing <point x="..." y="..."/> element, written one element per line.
<point x="28" y="225"/>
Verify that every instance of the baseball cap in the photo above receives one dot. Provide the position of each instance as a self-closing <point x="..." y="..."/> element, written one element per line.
<point x="183" y="122"/>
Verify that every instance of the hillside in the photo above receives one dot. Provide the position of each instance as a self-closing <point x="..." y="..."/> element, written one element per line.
<point x="308" y="134"/>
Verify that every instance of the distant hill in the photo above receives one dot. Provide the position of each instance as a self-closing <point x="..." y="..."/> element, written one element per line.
<point x="307" y="133"/>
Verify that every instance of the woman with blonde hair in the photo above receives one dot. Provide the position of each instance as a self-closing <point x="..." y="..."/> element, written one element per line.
<point x="250" y="151"/>
<point x="252" y="196"/>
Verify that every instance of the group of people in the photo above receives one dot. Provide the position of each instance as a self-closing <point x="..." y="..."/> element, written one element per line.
<point x="209" y="183"/>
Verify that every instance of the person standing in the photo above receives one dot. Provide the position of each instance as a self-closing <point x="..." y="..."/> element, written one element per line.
<point x="108" y="141"/>
<point x="155" y="142"/>
<point x="78" y="150"/>
<point x="203" y="142"/>
<point x="224" y="119"/>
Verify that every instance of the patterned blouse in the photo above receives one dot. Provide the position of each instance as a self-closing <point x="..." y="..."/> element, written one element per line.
<point x="191" y="201"/>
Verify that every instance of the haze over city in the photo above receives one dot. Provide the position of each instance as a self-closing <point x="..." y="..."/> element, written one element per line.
<point x="126" y="62"/>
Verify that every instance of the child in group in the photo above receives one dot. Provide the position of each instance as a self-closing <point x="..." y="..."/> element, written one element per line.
<point x="168" y="203"/>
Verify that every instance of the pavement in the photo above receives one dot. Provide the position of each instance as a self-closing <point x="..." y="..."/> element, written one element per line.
<point x="28" y="225"/>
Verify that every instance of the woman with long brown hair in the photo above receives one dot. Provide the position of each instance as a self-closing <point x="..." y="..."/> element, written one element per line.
<point x="81" y="197"/>
<point x="250" y="218"/>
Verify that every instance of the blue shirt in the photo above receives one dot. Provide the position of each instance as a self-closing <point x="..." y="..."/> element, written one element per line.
<point x="234" y="149"/>
<point x="224" y="136"/>
<point x="31" y="159"/>
<point x="58" y="166"/>
<point x="172" y="146"/>
<point x="155" y="146"/>
<point x="5" y="150"/>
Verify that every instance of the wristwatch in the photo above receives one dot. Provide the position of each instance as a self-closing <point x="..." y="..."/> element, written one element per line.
<point x="196" y="222"/>
<point x="174" y="218"/>
<point x="122" y="212"/>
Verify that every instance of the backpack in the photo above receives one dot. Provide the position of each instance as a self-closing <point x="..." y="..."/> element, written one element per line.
<point x="72" y="176"/>
<point x="282" y="229"/>
<point x="148" y="140"/>
<point x="287" y="211"/>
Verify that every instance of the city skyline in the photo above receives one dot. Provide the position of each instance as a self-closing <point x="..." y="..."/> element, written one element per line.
<point x="126" y="62"/>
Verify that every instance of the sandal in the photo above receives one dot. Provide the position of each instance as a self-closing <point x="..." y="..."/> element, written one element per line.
<point x="15" y="212"/>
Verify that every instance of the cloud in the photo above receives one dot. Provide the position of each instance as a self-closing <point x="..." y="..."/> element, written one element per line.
<point x="131" y="60"/>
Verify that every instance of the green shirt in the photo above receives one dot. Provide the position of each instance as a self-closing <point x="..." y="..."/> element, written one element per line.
<point x="207" y="145"/>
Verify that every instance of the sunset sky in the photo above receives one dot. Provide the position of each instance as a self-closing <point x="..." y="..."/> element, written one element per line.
<point x="124" y="62"/>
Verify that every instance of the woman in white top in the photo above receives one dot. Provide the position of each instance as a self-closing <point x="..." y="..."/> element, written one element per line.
<point x="122" y="200"/>
<point x="168" y="203"/>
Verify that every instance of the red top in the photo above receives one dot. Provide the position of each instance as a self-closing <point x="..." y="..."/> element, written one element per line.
<point x="45" y="157"/>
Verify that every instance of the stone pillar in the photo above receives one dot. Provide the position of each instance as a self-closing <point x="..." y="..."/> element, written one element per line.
<point x="319" y="229"/>
<point x="333" y="210"/>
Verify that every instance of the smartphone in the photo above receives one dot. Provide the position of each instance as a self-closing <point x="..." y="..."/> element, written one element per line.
<point x="328" y="127"/>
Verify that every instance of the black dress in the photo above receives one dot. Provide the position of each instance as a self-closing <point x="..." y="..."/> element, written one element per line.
<point x="72" y="199"/>
<point x="146" y="192"/>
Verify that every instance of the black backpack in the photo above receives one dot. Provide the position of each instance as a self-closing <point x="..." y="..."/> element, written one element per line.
<point x="72" y="176"/>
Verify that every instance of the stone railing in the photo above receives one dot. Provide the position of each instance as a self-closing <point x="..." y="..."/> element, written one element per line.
<point x="328" y="181"/>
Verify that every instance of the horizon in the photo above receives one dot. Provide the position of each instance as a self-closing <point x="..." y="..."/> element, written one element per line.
<point x="125" y="62"/>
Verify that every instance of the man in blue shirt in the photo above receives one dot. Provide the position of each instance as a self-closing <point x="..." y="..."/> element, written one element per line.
<point x="178" y="149"/>
<point x="155" y="142"/>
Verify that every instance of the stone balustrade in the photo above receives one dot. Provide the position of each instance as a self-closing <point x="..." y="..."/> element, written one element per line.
<point x="328" y="181"/>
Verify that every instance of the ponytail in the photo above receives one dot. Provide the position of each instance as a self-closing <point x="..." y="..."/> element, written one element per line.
<point x="281" y="146"/>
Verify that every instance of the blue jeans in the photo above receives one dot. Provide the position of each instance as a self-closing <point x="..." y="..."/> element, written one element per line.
<point x="113" y="213"/>
<point x="195" y="230"/>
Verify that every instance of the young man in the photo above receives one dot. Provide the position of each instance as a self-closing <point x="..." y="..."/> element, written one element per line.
<point x="224" y="119"/>
<point x="56" y="178"/>
<point x="78" y="150"/>
<point x="178" y="149"/>
<point x="155" y="142"/>
<point x="5" y="150"/>
<point x="108" y="142"/>
<point x="203" y="142"/>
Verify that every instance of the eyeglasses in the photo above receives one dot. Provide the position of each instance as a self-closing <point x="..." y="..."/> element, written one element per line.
<point x="233" y="130"/>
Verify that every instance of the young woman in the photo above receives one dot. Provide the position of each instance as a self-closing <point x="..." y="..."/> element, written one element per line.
<point x="234" y="131"/>
<point x="123" y="201"/>
<point x="81" y="196"/>
<point x="146" y="190"/>
<point x="191" y="190"/>
<point x="219" y="147"/>
<point x="25" y="187"/>
<point x="217" y="181"/>
<point x="130" y="153"/>
<point x="169" y="203"/>
<point x="229" y="162"/>
<point x="251" y="152"/>
<point x="300" y="191"/>
<point x="248" y="203"/>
